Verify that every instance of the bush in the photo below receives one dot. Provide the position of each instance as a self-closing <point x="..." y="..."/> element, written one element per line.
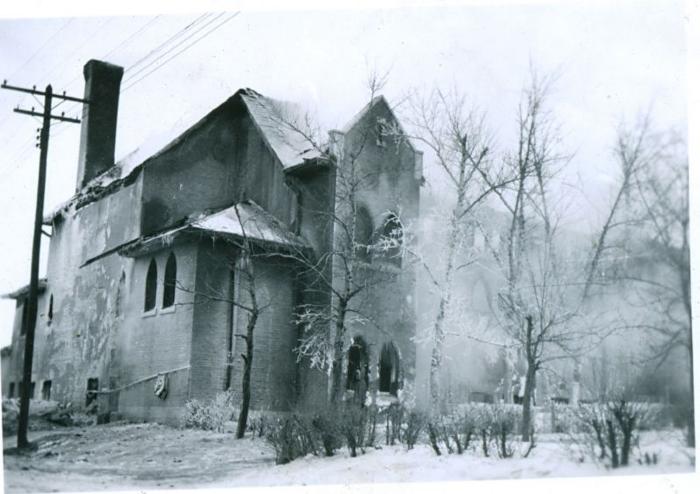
<point x="209" y="416"/>
<point x="412" y="428"/>
<point x="493" y="426"/>
<point x="608" y="431"/>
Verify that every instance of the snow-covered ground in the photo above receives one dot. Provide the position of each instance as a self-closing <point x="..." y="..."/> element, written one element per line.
<point x="148" y="456"/>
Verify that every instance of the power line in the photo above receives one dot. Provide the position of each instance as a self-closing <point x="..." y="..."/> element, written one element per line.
<point x="169" y="50"/>
<point x="182" y="51"/>
<point x="173" y="37"/>
<point x="48" y="40"/>
<point x="120" y="45"/>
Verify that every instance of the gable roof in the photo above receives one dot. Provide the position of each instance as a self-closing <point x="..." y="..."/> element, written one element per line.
<point x="243" y="220"/>
<point x="377" y="100"/>
<point x="281" y="126"/>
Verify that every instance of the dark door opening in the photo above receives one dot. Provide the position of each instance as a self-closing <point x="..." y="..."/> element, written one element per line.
<point x="46" y="390"/>
<point x="389" y="369"/>
<point x="358" y="370"/>
<point x="91" y="394"/>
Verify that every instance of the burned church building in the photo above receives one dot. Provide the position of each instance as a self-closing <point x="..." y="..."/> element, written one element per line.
<point x="127" y="322"/>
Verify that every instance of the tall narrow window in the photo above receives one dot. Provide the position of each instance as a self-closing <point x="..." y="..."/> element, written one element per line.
<point x="32" y="386"/>
<point x="12" y="390"/>
<point x="169" y="281"/>
<point x="119" y="302"/>
<point x="389" y="369"/>
<point x="25" y="317"/>
<point x="363" y="235"/>
<point x="151" y="286"/>
<point x="50" y="312"/>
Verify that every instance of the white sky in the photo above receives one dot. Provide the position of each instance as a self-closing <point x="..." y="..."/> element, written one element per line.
<point x="614" y="60"/>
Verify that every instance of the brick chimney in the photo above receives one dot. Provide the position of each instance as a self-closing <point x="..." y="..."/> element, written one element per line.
<point x="99" y="125"/>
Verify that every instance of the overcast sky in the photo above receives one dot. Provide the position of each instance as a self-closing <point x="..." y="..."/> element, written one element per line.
<point x="613" y="60"/>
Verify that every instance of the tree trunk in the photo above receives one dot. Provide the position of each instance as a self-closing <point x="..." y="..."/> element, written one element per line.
<point x="690" y="439"/>
<point x="337" y="364"/>
<point x="245" y="385"/>
<point x="526" y="426"/>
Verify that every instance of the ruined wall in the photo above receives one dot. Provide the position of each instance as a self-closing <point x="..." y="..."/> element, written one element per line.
<point x="156" y="341"/>
<point x="83" y="275"/>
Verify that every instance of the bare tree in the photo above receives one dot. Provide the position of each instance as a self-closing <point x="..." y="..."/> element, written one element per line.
<point x="457" y="137"/>
<point x="542" y="304"/>
<point x="656" y="260"/>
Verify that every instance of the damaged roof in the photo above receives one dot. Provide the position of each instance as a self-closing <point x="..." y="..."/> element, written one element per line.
<point x="24" y="291"/>
<point x="276" y="120"/>
<point x="237" y="222"/>
<point x="282" y="126"/>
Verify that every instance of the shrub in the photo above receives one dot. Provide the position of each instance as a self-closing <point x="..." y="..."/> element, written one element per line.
<point x="326" y="428"/>
<point x="210" y="415"/>
<point x="413" y="426"/>
<point x="608" y="431"/>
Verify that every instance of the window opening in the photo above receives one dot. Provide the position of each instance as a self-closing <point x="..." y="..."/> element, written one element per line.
<point x="169" y="281"/>
<point x="151" y="287"/>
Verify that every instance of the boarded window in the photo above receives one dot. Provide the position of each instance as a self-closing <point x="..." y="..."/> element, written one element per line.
<point x="151" y="286"/>
<point x="91" y="394"/>
<point x="389" y="369"/>
<point x="363" y="234"/>
<point x="169" y="281"/>
<point x="46" y="390"/>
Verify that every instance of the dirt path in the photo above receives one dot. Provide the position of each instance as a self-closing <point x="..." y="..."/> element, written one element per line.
<point x="130" y="456"/>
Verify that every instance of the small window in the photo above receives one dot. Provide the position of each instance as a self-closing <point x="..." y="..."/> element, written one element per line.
<point x="169" y="281"/>
<point x="46" y="390"/>
<point x="91" y="394"/>
<point x="12" y="391"/>
<point x="151" y="286"/>
<point x="49" y="314"/>
<point x="381" y="131"/>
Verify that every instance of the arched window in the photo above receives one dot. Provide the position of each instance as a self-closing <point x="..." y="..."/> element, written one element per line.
<point x="391" y="241"/>
<point x="169" y="281"/>
<point x="363" y="234"/>
<point x="151" y="286"/>
<point x="389" y="369"/>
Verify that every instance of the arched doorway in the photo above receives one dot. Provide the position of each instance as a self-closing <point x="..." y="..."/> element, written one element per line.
<point x="389" y="369"/>
<point x="358" y="370"/>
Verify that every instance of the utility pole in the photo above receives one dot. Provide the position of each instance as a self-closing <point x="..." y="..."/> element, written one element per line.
<point x="30" y="323"/>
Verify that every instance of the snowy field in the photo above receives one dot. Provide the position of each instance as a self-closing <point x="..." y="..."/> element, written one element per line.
<point x="150" y="456"/>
